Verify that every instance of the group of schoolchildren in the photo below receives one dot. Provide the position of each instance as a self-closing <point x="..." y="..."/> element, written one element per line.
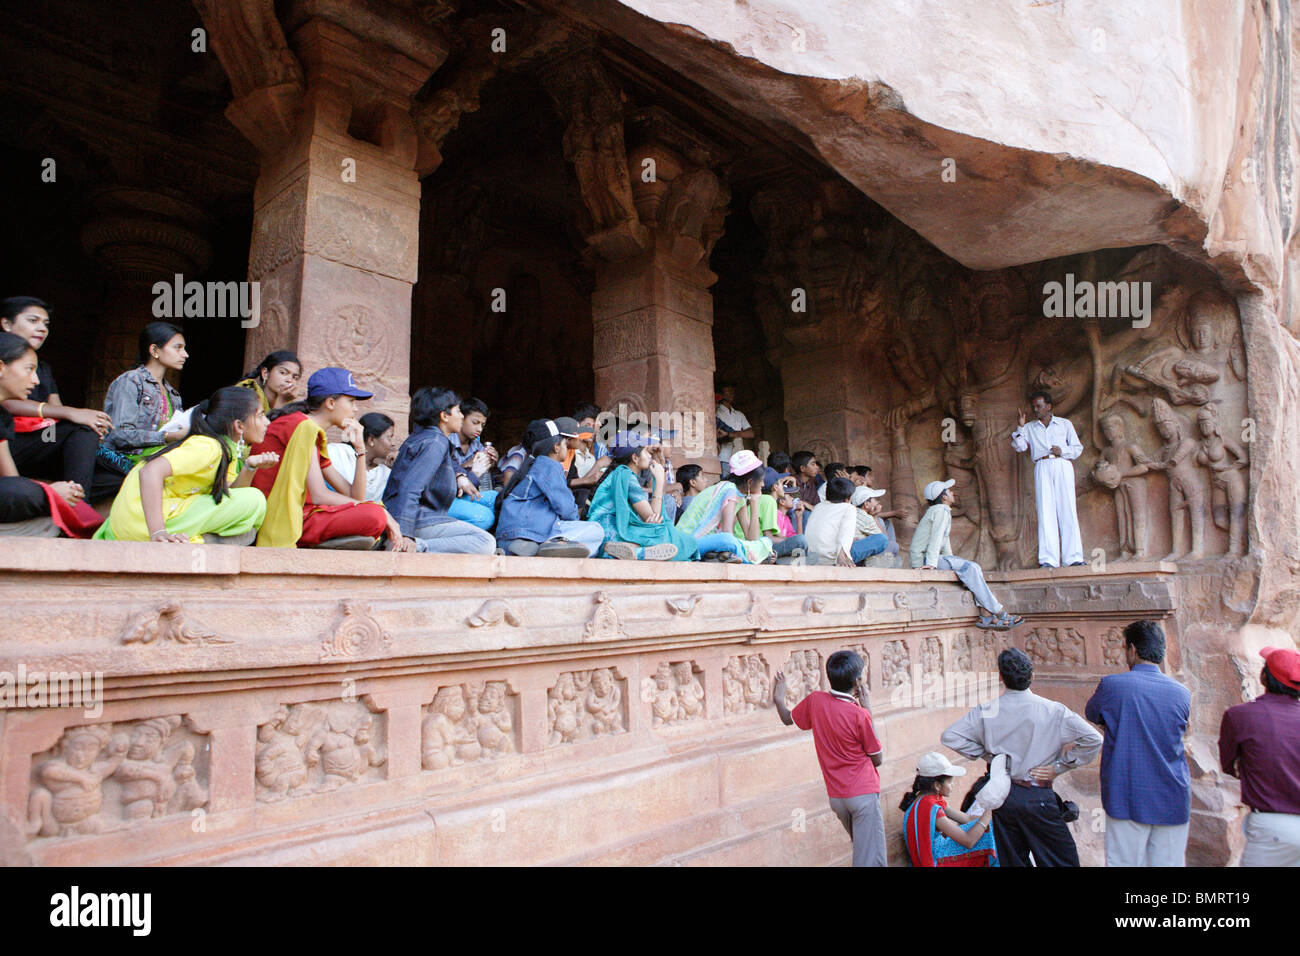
<point x="253" y="463"/>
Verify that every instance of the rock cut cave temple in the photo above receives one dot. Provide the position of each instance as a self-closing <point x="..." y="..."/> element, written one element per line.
<point x="851" y="208"/>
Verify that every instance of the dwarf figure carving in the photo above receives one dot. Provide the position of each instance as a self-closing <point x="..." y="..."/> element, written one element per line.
<point x="493" y="724"/>
<point x="445" y="740"/>
<point x="70" y="793"/>
<point x="690" y="692"/>
<point x="280" y="766"/>
<point x="147" y="773"/>
<point x="603" y="700"/>
<point x="562" y="709"/>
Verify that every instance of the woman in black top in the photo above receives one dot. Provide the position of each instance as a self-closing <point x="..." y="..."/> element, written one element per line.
<point x="53" y="441"/>
<point x="21" y="498"/>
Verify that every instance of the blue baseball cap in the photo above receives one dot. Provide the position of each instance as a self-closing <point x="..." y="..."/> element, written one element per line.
<point x="334" y="381"/>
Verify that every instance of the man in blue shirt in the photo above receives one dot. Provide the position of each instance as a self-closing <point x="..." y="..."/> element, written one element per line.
<point x="1145" y="782"/>
<point x="539" y="515"/>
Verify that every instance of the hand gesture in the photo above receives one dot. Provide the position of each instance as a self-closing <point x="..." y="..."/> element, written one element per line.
<point x="354" y="435"/>
<point x="778" y="687"/>
<point x="264" y="460"/>
<point x="656" y="468"/>
<point x="1022" y="417"/>
<point x="1044" y="774"/>
<point x="69" y="491"/>
<point x="466" y="488"/>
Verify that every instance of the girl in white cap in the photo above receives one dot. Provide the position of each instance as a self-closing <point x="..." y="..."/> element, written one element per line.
<point x="936" y="834"/>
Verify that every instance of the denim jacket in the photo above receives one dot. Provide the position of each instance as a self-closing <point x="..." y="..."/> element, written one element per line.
<point x="537" y="503"/>
<point x="422" y="485"/>
<point x="136" y="404"/>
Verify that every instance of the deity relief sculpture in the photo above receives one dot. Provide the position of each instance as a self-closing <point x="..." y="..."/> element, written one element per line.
<point x="1178" y="461"/>
<point x="69" y="794"/>
<point x="746" y="686"/>
<point x="312" y="747"/>
<point x="148" y="775"/>
<point x="1228" y="463"/>
<point x="1112" y="648"/>
<point x="678" y="694"/>
<point x="803" y="675"/>
<point x="1054" y="646"/>
<point x="1121" y="468"/>
<point x="102" y="777"/>
<point x="281" y="769"/>
<point x="932" y="657"/>
<point x="895" y="664"/>
<point x="1186" y="373"/>
<point x="663" y="708"/>
<point x="586" y="704"/>
<point x="466" y="723"/>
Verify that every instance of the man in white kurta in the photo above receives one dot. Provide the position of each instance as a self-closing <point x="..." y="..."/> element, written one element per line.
<point x="1052" y="444"/>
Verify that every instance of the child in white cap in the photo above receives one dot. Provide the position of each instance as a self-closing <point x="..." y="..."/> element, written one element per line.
<point x="939" y="835"/>
<point x="931" y="550"/>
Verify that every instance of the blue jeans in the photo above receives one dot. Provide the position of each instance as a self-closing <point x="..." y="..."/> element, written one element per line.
<point x="971" y="575"/>
<point x="864" y="548"/>
<point x="721" y="541"/>
<point x="783" y="547"/>
<point x="481" y="514"/>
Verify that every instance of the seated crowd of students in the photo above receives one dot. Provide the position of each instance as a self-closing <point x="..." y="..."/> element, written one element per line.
<point x="252" y="463"/>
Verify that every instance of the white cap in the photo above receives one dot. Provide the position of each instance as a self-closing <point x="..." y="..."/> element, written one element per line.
<point x="862" y="494"/>
<point x="936" y="488"/>
<point x="743" y="462"/>
<point x="937" y="765"/>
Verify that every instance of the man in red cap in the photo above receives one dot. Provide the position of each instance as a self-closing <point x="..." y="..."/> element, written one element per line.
<point x="1259" y="742"/>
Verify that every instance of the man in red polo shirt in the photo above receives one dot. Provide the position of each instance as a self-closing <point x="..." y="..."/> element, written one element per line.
<point x="1259" y="743"/>
<point x="847" y="750"/>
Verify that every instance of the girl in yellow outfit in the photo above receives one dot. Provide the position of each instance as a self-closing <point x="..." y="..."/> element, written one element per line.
<point x="195" y="486"/>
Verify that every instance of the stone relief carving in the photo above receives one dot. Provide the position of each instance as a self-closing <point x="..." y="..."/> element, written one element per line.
<point x="1122" y="468"/>
<point x="604" y="624"/>
<point x="355" y="632"/>
<point x="746" y="685"/>
<point x="759" y="617"/>
<point x="1112" y="648"/>
<point x="932" y="657"/>
<point x="1228" y="463"/>
<point x="586" y="704"/>
<point x="493" y="613"/>
<point x="1178" y="462"/>
<point x="814" y="604"/>
<point x="317" y="747"/>
<point x="803" y="675"/>
<point x="1055" y="646"/>
<point x="102" y="777"/>
<point x="167" y="625"/>
<point x="684" y="607"/>
<point x="895" y="664"/>
<point x="678" y="695"/>
<point x="469" y="722"/>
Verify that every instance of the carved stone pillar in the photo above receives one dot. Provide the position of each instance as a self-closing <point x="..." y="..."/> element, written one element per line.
<point x="813" y="296"/>
<point x="326" y="98"/>
<point x="140" y="237"/>
<point x="652" y="215"/>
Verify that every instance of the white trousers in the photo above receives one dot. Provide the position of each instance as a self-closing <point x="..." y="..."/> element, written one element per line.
<point x="1272" y="839"/>
<point x="1059" y="541"/>
<point x="1145" y="844"/>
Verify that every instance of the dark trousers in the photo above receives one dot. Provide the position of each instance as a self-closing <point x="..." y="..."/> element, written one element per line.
<point x="68" y="455"/>
<point x="20" y="499"/>
<point x="1030" y="820"/>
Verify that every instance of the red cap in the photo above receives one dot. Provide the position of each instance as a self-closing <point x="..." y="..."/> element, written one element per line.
<point x="1284" y="664"/>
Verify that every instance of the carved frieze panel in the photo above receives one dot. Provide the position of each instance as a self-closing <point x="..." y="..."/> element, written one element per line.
<point x="895" y="664"/>
<point x="1056" y="646"/>
<point x="586" y="704"/>
<point x="102" y="777"/>
<point x="676" y="693"/>
<point x="932" y="657"/>
<point x="318" y="747"/>
<point x="803" y="675"/>
<point x="746" y="685"/>
<point x="1112" y="648"/>
<point x="469" y="722"/>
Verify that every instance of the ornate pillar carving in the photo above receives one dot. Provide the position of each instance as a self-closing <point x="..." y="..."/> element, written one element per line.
<point x="326" y="97"/>
<point x="814" y="297"/>
<point x="652" y="214"/>
<point x="139" y="236"/>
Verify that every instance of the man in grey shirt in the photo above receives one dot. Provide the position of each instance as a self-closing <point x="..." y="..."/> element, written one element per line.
<point x="1042" y="740"/>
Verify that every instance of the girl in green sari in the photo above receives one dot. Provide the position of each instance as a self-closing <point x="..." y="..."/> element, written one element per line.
<point x="733" y="503"/>
<point x="633" y="522"/>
